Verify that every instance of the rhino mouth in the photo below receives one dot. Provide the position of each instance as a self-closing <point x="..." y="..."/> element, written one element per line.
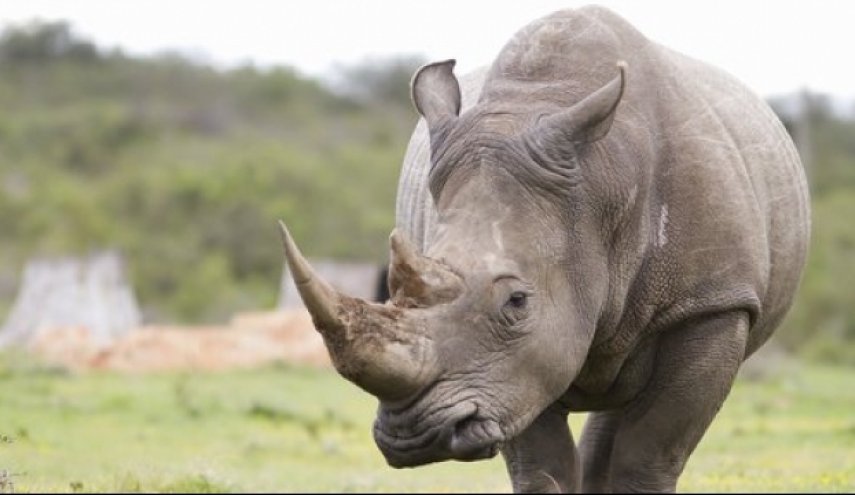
<point x="461" y="434"/>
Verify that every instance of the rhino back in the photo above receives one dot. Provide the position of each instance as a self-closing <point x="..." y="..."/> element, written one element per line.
<point x="717" y="211"/>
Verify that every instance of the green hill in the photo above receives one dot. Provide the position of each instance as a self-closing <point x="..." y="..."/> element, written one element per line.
<point x="185" y="168"/>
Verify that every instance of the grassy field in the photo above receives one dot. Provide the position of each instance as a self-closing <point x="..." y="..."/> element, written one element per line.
<point x="293" y="429"/>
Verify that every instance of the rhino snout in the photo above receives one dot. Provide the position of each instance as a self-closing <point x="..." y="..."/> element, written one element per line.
<point x="381" y="348"/>
<point x="422" y="438"/>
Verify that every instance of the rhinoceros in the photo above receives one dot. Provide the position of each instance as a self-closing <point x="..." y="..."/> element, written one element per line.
<point x="593" y="223"/>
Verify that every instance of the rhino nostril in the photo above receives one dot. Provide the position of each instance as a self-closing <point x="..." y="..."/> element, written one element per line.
<point x="465" y="425"/>
<point x="467" y="440"/>
<point x="474" y="437"/>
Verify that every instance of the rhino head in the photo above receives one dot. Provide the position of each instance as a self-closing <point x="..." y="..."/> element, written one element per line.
<point x="492" y="323"/>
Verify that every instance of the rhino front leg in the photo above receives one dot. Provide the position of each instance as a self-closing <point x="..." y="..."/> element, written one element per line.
<point x="595" y="448"/>
<point x="543" y="457"/>
<point x="695" y="367"/>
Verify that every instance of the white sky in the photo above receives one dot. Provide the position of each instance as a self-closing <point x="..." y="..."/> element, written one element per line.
<point x="774" y="46"/>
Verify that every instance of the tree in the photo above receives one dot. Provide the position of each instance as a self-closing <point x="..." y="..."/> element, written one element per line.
<point x="379" y="80"/>
<point x="39" y="42"/>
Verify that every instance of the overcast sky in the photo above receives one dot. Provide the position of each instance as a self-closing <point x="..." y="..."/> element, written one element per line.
<point x="774" y="46"/>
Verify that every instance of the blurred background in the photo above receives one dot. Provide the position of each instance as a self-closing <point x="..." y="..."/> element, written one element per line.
<point x="147" y="150"/>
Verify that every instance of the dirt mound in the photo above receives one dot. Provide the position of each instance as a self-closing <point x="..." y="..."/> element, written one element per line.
<point x="66" y="346"/>
<point x="251" y="339"/>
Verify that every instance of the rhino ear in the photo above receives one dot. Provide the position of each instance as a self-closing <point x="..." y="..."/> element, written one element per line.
<point x="590" y="119"/>
<point x="436" y="93"/>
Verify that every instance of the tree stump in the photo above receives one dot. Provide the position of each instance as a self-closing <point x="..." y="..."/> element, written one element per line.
<point x="90" y="293"/>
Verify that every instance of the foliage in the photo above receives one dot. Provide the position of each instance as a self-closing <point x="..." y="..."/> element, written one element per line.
<point x="376" y="81"/>
<point x="827" y="139"/>
<point x="42" y="42"/>
<point x="186" y="169"/>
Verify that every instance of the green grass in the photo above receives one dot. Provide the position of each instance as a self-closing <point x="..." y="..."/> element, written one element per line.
<point x="293" y="429"/>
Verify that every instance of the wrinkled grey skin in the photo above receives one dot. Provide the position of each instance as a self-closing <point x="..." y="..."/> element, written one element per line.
<point x="588" y="236"/>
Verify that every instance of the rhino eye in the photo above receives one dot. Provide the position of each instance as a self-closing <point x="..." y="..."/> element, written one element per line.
<point x="515" y="308"/>
<point x="518" y="300"/>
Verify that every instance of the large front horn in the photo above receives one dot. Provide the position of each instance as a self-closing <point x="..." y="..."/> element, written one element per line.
<point x="380" y="348"/>
<point x="321" y="300"/>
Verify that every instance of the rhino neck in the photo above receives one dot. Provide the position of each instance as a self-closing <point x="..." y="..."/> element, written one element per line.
<point x="415" y="213"/>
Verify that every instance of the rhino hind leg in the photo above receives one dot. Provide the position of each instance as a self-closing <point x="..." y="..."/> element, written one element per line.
<point x="543" y="458"/>
<point x="644" y="446"/>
